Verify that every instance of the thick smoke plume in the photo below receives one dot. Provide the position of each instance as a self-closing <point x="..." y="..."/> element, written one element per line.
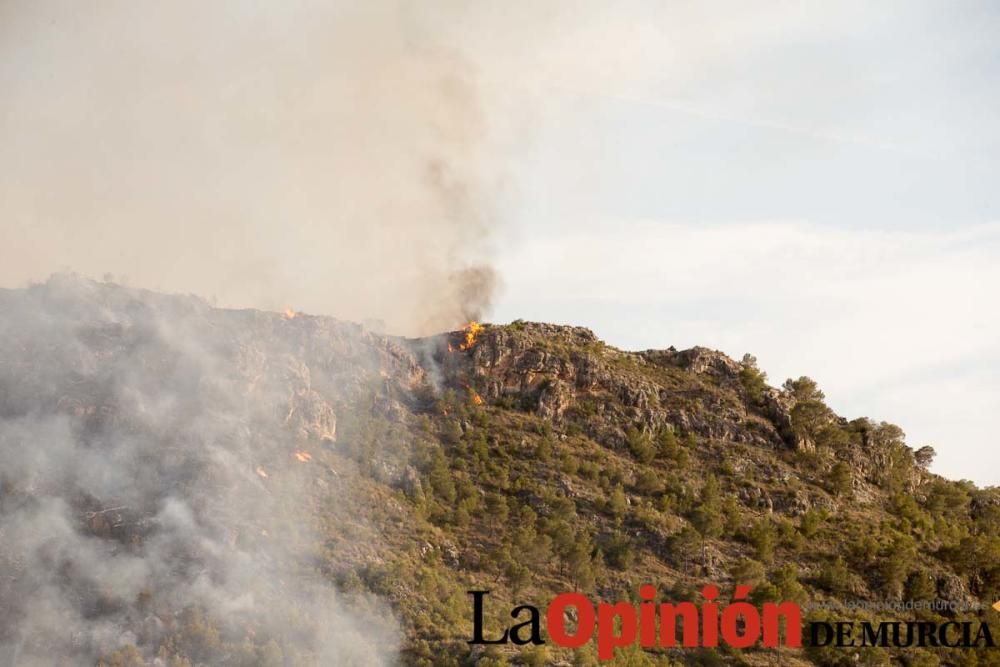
<point x="163" y="467"/>
<point x="327" y="156"/>
<point x="162" y="462"/>
<point x="344" y="158"/>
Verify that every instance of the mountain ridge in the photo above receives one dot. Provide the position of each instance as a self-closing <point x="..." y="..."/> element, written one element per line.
<point x="537" y="459"/>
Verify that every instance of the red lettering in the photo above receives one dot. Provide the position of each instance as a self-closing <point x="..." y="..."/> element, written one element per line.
<point x="607" y="640"/>
<point x="555" y="617"/>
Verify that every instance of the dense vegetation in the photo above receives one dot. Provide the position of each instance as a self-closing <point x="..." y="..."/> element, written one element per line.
<point x="500" y="497"/>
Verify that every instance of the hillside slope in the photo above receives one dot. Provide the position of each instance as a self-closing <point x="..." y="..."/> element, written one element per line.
<point x="182" y="484"/>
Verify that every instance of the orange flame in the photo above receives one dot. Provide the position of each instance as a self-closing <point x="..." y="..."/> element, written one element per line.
<point x="289" y="314"/>
<point x="303" y="457"/>
<point x="474" y="397"/>
<point x="472" y="330"/>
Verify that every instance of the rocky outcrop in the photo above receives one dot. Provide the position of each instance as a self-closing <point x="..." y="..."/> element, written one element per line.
<point x="699" y="360"/>
<point x="564" y="372"/>
<point x="777" y="407"/>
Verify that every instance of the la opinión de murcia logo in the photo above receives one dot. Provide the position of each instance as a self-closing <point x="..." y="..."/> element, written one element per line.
<point x="654" y="625"/>
<point x="738" y="624"/>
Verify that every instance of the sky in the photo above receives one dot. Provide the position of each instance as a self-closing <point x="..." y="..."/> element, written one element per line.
<point x="811" y="182"/>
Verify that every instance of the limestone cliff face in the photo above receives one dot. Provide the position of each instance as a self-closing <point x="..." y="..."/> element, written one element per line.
<point x="300" y="371"/>
<point x="67" y="344"/>
<point x="305" y="366"/>
<point x="565" y="373"/>
<point x="557" y="369"/>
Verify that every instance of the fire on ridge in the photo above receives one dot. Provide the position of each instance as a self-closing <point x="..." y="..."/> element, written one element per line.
<point x="470" y="332"/>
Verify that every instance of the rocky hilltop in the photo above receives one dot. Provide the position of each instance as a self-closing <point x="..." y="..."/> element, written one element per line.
<point x="182" y="484"/>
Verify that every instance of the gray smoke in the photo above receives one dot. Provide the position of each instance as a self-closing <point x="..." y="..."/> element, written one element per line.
<point x="149" y="487"/>
<point x="325" y="156"/>
<point x="343" y="158"/>
<point x="331" y="157"/>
